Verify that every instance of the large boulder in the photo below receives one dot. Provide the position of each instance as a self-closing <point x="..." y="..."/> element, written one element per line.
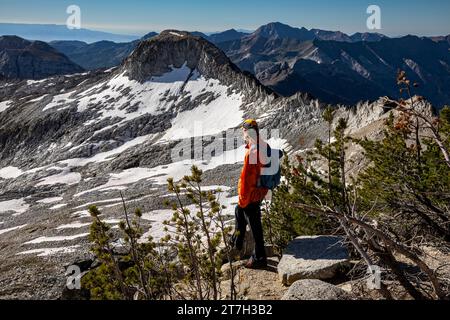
<point x="313" y="289"/>
<point x="312" y="257"/>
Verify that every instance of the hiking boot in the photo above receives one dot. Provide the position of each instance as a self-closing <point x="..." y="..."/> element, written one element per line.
<point x="254" y="263"/>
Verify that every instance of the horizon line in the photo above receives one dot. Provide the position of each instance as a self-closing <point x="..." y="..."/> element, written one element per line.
<point x="245" y="30"/>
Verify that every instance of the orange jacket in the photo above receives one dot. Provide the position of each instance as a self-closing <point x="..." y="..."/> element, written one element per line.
<point x="247" y="188"/>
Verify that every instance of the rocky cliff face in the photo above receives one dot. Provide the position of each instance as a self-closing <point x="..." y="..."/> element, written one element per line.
<point x="173" y="49"/>
<point x="70" y="141"/>
<point x="22" y="59"/>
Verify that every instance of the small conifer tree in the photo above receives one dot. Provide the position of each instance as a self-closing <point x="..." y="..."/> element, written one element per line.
<point x="197" y="230"/>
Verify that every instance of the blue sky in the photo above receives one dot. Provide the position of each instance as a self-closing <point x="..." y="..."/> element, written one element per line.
<point x="398" y="17"/>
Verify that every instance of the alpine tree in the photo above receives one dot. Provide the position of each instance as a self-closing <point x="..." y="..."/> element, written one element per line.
<point x="197" y="229"/>
<point x="139" y="269"/>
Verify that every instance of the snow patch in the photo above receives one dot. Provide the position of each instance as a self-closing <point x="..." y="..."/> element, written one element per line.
<point x="105" y="156"/>
<point x="64" y="177"/>
<point x="176" y="75"/>
<point x="355" y="65"/>
<point x="207" y="119"/>
<point x="38" y="98"/>
<point x="43" y="252"/>
<point x="414" y="66"/>
<point x="58" y="206"/>
<point x="10" y="172"/>
<point x="5" y="105"/>
<point x="31" y="82"/>
<point x="58" y="100"/>
<point x="2" y="231"/>
<point x="50" y="200"/>
<point x="177" y="170"/>
<point x="81" y="214"/>
<point x="97" y="202"/>
<point x="157" y="217"/>
<point x="56" y="238"/>
<point x="19" y="206"/>
<point x="111" y="221"/>
<point x="73" y="225"/>
<point x="175" y="34"/>
<point x="314" y="56"/>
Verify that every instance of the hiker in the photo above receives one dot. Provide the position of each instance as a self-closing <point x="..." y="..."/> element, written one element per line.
<point x="248" y="210"/>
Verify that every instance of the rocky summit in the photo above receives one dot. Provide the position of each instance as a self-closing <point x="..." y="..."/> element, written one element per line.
<point x="68" y="141"/>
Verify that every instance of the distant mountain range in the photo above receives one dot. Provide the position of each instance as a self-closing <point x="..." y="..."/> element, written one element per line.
<point x="228" y="35"/>
<point x="277" y="30"/>
<point x="52" y="32"/>
<point x="337" y="69"/>
<point x="442" y="39"/>
<point x="330" y="65"/>
<point x="106" y="54"/>
<point x="101" y="54"/>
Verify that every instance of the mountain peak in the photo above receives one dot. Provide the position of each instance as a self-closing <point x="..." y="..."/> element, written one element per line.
<point x="278" y="25"/>
<point x="368" y="36"/>
<point x="280" y="30"/>
<point x="227" y="35"/>
<point x="13" y="42"/>
<point x="149" y="35"/>
<point x="24" y="59"/>
<point x="175" y="49"/>
<point x="228" y="32"/>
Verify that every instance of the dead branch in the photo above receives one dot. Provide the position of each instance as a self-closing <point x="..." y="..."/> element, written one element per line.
<point x="394" y="245"/>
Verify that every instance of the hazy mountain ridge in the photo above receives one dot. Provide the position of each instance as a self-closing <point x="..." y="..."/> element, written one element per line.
<point x="344" y="72"/>
<point x="101" y="54"/>
<point x="54" y="32"/>
<point x="280" y="30"/>
<point x="106" y="54"/>
<point x="111" y="53"/>
<point x="330" y="65"/>
<point x="23" y="59"/>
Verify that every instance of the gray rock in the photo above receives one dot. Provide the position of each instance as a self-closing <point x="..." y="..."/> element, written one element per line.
<point x="312" y="257"/>
<point x="313" y="289"/>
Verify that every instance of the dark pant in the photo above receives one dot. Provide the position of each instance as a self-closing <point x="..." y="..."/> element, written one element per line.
<point x="249" y="215"/>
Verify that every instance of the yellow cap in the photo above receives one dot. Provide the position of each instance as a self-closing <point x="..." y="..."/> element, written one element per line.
<point x="250" y="123"/>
